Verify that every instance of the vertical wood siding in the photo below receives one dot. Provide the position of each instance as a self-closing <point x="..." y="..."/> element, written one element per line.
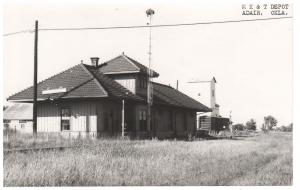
<point x="139" y="89"/>
<point x="83" y="117"/>
<point x="163" y="122"/>
<point x="191" y="122"/>
<point x="48" y="118"/>
<point x="109" y="117"/>
<point x="103" y="117"/>
<point x="180" y="123"/>
<point x="169" y="122"/>
<point x="127" y="82"/>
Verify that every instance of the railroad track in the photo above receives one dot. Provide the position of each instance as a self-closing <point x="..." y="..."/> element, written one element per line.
<point x="24" y="150"/>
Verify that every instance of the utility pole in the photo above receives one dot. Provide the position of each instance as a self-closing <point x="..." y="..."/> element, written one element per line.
<point x="35" y="79"/>
<point x="149" y="13"/>
<point x="230" y="125"/>
<point x="123" y="118"/>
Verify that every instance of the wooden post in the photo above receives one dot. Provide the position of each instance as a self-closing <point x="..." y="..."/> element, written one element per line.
<point x="230" y="125"/>
<point x="35" y="80"/>
<point x="123" y="118"/>
<point x="177" y="83"/>
<point x="149" y="110"/>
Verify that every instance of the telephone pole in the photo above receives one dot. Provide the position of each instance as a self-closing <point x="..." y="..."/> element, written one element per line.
<point x="35" y="79"/>
<point x="149" y="13"/>
<point x="123" y="118"/>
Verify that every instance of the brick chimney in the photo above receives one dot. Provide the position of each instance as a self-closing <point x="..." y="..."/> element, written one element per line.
<point x="95" y="61"/>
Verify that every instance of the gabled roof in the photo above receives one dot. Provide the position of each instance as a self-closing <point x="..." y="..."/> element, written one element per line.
<point x="124" y="64"/>
<point x="113" y="88"/>
<point x="79" y="81"/>
<point x="85" y="81"/>
<point x="90" y="88"/>
<point x="174" y="97"/>
<point x="69" y="79"/>
<point x="19" y="111"/>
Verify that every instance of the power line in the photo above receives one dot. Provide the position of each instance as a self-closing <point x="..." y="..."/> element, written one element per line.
<point x="164" y="25"/>
<point x="147" y="26"/>
<point x="19" y="32"/>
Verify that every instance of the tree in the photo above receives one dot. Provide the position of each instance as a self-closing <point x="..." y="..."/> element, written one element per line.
<point x="251" y="125"/>
<point x="288" y="128"/>
<point x="269" y="122"/>
<point x="239" y="127"/>
<point x="263" y="128"/>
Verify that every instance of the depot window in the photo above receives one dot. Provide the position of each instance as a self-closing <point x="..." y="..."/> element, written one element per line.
<point x="143" y="120"/>
<point x="65" y="119"/>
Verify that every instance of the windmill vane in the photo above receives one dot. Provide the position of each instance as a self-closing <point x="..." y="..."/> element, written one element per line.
<point x="150" y="12"/>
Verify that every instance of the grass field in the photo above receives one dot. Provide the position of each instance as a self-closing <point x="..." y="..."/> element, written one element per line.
<point x="265" y="159"/>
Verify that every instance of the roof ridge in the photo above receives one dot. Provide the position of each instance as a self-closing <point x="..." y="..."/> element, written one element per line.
<point x="169" y="97"/>
<point x="163" y="84"/>
<point x="44" y="80"/>
<point x="92" y="74"/>
<point x="74" y="88"/>
<point x="131" y="60"/>
<point x="183" y="94"/>
<point x="123" y="63"/>
<point x="190" y="99"/>
<point x="128" y="59"/>
<point x="128" y="92"/>
<point x="102" y="64"/>
<point x="93" y="77"/>
<point x="142" y="65"/>
<point x="173" y="89"/>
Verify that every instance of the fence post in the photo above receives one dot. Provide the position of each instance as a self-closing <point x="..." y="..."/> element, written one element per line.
<point x="69" y="140"/>
<point x="60" y="139"/>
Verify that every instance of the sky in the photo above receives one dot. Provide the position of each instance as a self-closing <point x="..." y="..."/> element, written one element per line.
<point x="251" y="61"/>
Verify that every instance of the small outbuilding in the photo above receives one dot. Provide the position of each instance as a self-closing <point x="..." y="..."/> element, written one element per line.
<point x="18" y="117"/>
<point x="213" y="124"/>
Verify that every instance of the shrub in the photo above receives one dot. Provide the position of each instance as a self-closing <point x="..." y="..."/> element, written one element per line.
<point x="288" y="128"/>
<point x="251" y="125"/>
<point x="238" y="127"/>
